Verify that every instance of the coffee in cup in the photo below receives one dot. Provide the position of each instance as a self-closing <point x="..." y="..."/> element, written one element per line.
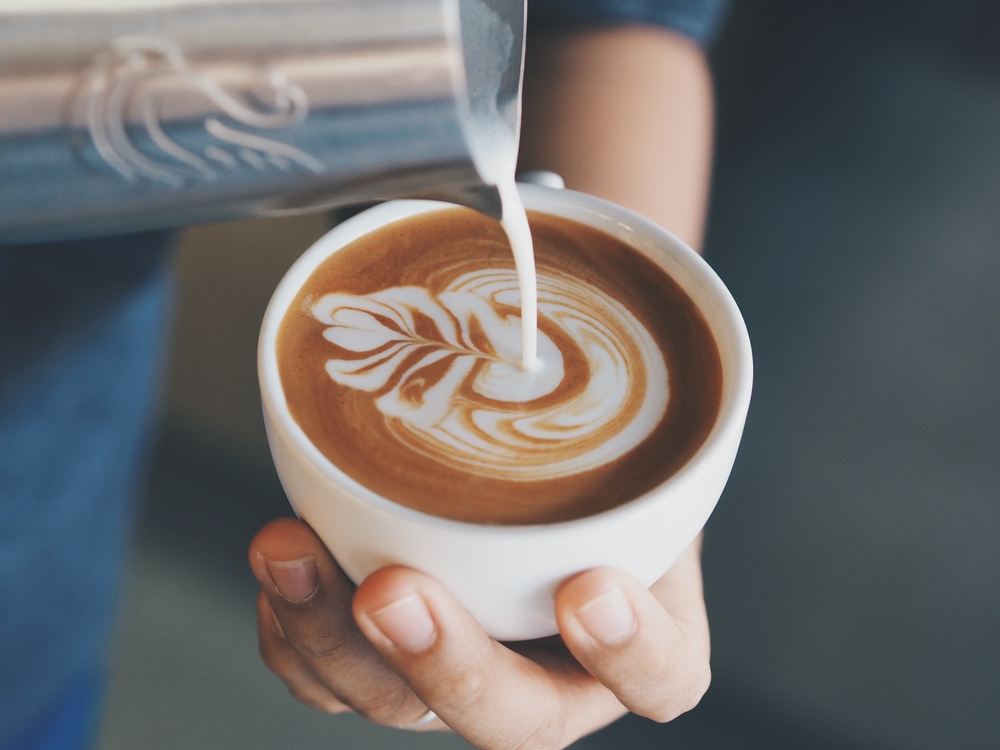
<point x="400" y="360"/>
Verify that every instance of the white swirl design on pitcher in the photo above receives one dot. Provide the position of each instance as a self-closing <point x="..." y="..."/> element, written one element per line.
<point x="131" y="77"/>
<point x="440" y="369"/>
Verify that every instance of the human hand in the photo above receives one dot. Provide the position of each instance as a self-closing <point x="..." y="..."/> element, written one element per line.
<point x="400" y="645"/>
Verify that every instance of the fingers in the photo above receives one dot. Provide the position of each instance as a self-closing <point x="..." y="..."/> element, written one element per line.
<point x="490" y="695"/>
<point x="409" y="645"/>
<point x="308" y="636"/>
<point x="282" y="659"/>
<point x="649" y="647"/>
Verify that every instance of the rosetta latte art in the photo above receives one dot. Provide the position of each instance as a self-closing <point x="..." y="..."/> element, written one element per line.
<point x="441" y="369"/>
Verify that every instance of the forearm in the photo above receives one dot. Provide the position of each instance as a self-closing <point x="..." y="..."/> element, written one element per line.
<point x="625" y="114"/>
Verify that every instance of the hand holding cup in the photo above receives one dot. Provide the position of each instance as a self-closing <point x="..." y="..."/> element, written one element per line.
<point x="400" y="646"/>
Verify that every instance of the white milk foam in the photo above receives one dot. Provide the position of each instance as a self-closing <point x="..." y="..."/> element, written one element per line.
<point x="420" y="381"/>
<point x="493" y="143"/>
<point x="515" y="225"/>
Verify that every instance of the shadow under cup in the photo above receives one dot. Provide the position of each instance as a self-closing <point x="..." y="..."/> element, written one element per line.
<point x="506" y="576"/>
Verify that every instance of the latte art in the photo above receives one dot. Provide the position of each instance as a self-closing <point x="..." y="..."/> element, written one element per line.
<point x="442" y="370"/>
<point x="401" y="360"/>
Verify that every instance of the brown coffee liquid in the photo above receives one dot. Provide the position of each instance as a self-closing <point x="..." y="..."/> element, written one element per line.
<point x="381" y="436"/>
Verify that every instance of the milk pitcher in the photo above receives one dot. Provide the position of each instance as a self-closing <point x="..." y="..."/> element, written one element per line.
<point x="124" y="115"/>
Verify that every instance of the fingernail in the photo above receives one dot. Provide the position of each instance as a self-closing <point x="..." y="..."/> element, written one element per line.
<point x="407" y="623"/>
<point x="295" y="580"/>
<point x="608" y="618"/>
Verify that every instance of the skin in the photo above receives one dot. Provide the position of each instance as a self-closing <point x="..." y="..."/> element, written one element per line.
<point x="624" y="114"/>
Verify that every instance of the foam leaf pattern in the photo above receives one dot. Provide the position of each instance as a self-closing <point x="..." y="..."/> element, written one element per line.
<point x="442" y="370"/>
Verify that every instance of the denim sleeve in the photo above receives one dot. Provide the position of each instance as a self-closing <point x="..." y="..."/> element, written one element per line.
<point x="699" y="20"/>
<point x="82" y="331"/>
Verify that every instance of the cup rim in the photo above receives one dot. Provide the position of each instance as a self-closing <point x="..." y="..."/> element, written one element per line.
<point x="659" y="245"/>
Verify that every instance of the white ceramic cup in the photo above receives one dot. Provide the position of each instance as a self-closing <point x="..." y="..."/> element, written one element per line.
<point x="507" y="576"/>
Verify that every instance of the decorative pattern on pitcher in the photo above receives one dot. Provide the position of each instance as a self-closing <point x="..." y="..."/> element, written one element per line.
<point x="128" y="79"/>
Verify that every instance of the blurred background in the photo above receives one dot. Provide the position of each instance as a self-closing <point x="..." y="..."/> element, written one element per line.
<point x="852" y="564"/>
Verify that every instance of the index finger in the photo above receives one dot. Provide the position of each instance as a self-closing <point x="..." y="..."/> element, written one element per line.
<point x="311" y="599"/>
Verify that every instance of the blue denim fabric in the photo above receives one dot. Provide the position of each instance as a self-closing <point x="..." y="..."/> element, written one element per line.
<point x="700" y="20"/>
<point x="72" y="722"/>
<point x="81" y="341"/>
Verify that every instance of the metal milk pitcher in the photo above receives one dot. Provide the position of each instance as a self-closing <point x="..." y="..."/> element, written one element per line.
<point x="123" y="115"/>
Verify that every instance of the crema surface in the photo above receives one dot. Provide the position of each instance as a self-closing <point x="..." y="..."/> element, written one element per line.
<point x="400" y="361"/>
